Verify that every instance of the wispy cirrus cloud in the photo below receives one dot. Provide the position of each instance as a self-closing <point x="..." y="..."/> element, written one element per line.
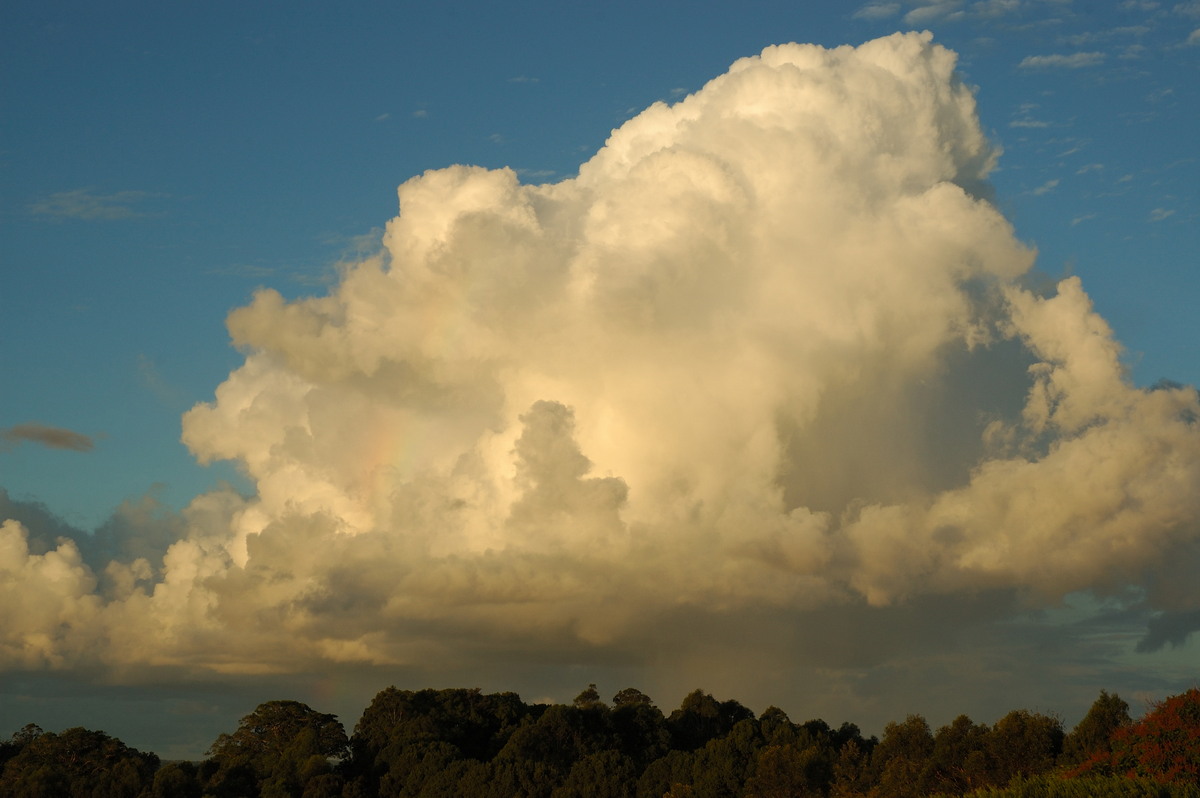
<point x="50" y="437"/>
<point x="85" y="203"/>
<point x="1046" y="188"/>
<point x="996" y="8"/>
<point x="1024" y="117"/>
<point x="1062" y="61"/>
<point x="926" y="11"/>
<point x="874" y="11"/>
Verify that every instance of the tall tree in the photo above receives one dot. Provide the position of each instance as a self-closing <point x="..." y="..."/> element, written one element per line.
<point x="1093" y="735"/>
<point x="901" y="761"/>
<point x="961" y="761"/>
<point x="1024" y="744"/>
<point x="278" y="748"/>
<point x="701" y="718"/>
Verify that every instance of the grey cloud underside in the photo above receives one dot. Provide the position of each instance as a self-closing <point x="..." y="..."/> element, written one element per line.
<point x="50" y="437"/>
<point x="772" y="355"/>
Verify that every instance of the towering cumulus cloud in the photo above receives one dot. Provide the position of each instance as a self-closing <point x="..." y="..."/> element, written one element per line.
<point x="772" y="352"/>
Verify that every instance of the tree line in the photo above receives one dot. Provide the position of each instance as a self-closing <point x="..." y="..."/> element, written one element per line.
<point x="463" y="742"/>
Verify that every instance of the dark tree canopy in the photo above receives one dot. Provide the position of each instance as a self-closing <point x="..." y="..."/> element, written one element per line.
<point x="461" y="742"/>
<point x="76" y="762"/>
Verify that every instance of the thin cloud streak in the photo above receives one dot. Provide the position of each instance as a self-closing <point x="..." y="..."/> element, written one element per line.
<point x="1061" y="61"/>
<point x="84" y="203"/>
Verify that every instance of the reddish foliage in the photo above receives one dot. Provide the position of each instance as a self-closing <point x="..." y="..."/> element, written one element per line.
<point x="1164" y="745"/>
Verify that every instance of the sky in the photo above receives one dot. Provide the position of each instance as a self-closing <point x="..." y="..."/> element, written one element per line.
<point x="826" y="356"/>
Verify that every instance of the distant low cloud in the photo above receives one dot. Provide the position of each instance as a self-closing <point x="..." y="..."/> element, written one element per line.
<point x="1193" y="37"/>
<point x="52" y="437"/>
<point x="84" y="203"/>
<point x="1060" y="61"/>
<point x="1158" y="214"/>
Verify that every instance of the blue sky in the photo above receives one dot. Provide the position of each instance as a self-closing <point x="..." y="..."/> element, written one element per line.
<point x="161" y="162"/>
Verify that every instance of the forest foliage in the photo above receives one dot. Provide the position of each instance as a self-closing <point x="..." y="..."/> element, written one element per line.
<point x="463" y="742"/>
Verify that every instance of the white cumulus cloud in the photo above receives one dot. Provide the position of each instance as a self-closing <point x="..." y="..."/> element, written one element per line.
<point x="772" y="351"/>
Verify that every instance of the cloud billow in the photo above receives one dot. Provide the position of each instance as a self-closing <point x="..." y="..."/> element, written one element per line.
<point x="771" y="351"/>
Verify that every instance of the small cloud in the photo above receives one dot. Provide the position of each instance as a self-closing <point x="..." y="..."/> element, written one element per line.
<point x="420" y="113"/>
<point x="382" y="117"/>
<point x="1060" y="61"/>
<point x="937" y="9"/>
<point x="1091" y="167"/>
<point x="1193" y="37"/>
<point x="1139" y="5"/>
<point x="497" y="138"/>
<point x="51" y="437"/>
<point x="1158" y="214"/>
<point x="678" y="92"/>
<point x="1160" y="95"/>
<point x="1028" y="123"/>
<point x="1046" y="188"/>
<point x="524" y="79"/>
<point x="82" y="203"/>
<point x="873" y="11"/>
<point x="1083" y="218"/>
<point x="1125" y="179"/>
<point x="996" y="8"/>
<point x="1191" y="9"/>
